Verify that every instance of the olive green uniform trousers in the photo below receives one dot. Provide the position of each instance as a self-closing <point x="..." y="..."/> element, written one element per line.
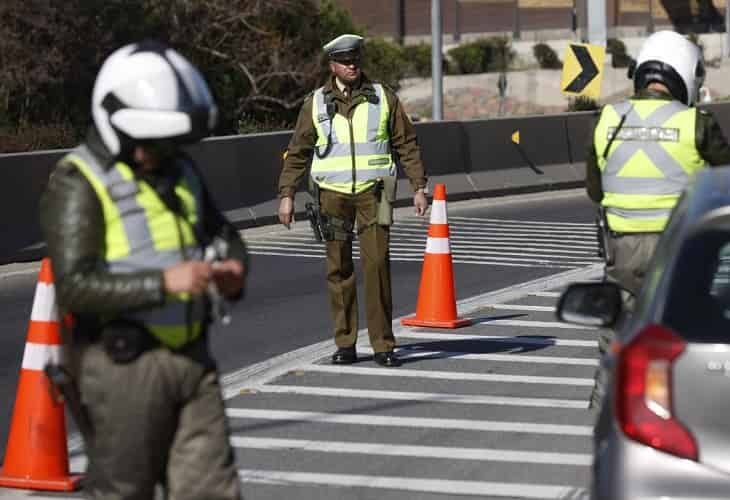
<point x="375" y="262"/>
<point x="631" y="256"/>
<point x="158" y="420"/>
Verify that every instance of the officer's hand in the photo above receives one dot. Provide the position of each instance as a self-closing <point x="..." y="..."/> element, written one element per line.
<point x="188" y="277"/>
<point x="286" y="210"/>
<point x="420" y="202"/>
<point x="228" y="276"/>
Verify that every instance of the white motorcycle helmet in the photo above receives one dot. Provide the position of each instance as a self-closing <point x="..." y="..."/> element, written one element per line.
<point x="148" y="93"/>
<point x="669" y="58"/>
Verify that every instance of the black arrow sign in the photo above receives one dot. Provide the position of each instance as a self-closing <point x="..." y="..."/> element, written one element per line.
<point x="589" y="70"/>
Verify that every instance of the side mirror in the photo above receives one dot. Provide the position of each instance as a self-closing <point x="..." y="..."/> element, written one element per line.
<point x="590" y="304"/>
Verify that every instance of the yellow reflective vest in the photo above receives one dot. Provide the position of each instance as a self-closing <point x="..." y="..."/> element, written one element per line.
<point x="142" y="233"/>
<point x="648" y="164"/>
<point x="355" y="150"/>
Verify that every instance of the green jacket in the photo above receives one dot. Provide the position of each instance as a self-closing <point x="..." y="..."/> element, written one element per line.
<point x="301" y="147"/>
<point x="709" y="138"/>
<point x="73" y="226"/>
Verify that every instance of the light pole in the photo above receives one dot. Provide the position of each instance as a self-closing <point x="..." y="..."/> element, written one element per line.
<point x="727" y="28"/>
<point x="436" y="70"/>
<point x="517" y="29"/>
<point x="457" y="21"/>
<point x="650" y="26"/>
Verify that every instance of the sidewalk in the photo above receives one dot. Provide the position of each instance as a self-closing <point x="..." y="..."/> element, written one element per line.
<point x="537" y="91"/>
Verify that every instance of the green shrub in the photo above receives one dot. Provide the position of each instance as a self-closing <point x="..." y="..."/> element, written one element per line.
<point x="546" y="56"/>
<point x="384" y="62"/>
<point x="615" y="46"/>
<point x="619" y="57"/>
<point x="582" y="103"/>
<point x="483" y="55"/>
<point x="335" y="20"/>
<point x="418" y="59"/>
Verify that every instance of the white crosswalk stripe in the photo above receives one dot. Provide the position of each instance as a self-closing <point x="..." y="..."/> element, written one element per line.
<point x="410" y="422"/>
<point x="450" y="452"/>
<point x="480" y="489"/>
<point x="528" y="378"/>
<point x="477" y="241"/>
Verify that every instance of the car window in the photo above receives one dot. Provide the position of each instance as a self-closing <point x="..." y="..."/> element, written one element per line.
<point x="698" y="305"/>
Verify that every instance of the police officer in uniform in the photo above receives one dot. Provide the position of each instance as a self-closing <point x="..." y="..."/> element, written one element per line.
<point x="644" y="152"/>
<point x="348" y="130"/>
<point x="127" y="217"/>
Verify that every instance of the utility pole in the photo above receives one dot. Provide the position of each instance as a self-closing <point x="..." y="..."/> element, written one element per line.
<point x="650" y="26"/>
<point x="457" y="21"/>
<point x="727" y="29"/>
<point x="517" y="29"/>
<point x="597" y="22"/>
<point x="436" y="70"/>
<point x="574" y="20"/>
<point x="400" y="21"/>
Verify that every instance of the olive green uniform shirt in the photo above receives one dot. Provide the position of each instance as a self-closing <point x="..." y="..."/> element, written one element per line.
<point x="404" y="142"/>
<point x="709" y="139"/>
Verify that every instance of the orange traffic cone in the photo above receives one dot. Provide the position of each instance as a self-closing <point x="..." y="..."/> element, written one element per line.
<point x="36" y="456"/>
<point x="436" y="298"/>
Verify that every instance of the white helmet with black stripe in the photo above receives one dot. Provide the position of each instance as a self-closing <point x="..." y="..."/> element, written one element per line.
<point x="147" y="92"/>
<point x="669" y="58"/>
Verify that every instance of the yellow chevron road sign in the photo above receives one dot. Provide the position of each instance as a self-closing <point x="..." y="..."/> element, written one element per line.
<point x="583" y="70"/>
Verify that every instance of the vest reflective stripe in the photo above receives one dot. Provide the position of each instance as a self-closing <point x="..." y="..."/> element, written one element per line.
<point x="149" y="236"/>
<point x="649" y="163"/>
<point x="369" y="149"/>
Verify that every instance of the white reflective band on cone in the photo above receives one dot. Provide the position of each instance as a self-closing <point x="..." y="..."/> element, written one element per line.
<point x="37" y="356"/>
<point x="438" y="212"/>
<point x="438" y="245"/>
<point x="44" y="303"/>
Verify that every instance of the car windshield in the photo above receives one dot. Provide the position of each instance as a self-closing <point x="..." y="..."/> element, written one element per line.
<point x="698" y="306"/>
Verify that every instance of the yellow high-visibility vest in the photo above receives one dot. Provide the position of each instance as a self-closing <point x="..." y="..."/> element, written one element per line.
<point x="142" y="233"/>
<point x="649" y="163"/>
<point x="359" y="147"/>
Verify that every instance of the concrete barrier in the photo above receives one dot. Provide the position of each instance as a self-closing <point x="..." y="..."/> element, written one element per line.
<point x="473" y="158"/>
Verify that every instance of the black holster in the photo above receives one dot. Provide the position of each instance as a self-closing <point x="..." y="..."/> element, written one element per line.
<point x="125" y="340"/>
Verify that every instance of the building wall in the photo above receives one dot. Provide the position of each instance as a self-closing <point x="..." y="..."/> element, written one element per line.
<point x="380" y="17"/>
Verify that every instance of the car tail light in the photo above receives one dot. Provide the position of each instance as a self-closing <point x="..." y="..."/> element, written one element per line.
<point x="644" y="392"/>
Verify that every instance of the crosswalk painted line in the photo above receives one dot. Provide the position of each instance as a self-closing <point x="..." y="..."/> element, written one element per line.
<point x="442" y="486"/>
<point x="449" y="375"/>
<point x="547" y="434"/>
<point x="433" y="397"/>
<point x="507" y="339"/>
<point x="396" y="250"/>
<point x="473" y="241"/>
<point x="534" y="324"/>
<point x="403" y="353"/>
<point x="521" y="307"/>
<point x="523" y="222"/>
<point x="410" y="422"/>
<point x="416" y="451"/>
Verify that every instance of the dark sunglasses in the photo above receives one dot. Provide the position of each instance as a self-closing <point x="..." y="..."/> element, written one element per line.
<point x="348" y="61"/>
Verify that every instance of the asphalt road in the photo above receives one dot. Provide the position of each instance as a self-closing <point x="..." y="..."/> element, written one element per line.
<point x="286" y="307"/>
